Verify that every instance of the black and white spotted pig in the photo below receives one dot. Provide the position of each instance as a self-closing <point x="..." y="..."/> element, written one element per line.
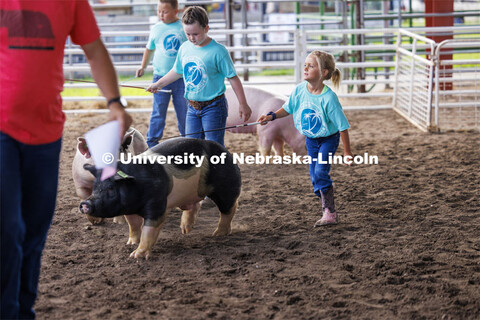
<point x="144" y="193"/>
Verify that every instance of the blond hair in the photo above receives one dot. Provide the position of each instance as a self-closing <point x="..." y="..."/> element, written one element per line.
<point x="327" y="62"/>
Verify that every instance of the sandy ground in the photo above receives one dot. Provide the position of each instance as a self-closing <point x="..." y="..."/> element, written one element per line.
<point x="407" y="246"/>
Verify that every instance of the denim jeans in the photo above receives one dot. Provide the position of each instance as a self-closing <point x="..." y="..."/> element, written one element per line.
<point x="211" y="117"/>
<point x="319" y="172"/>
<point x="28" y="191"/>
<point x="160" y="106"/>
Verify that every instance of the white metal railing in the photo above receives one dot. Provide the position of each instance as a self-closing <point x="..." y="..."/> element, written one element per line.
<point x="303" y="43"/>
<point x="128" y="5"/>
<point x="413" y="80"/>
<point x="299" y="48"/>
<point x="434" y="85"/>
<point x="457" y="90"/>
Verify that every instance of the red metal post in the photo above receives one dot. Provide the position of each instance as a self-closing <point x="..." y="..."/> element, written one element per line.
<point x="441" y="6"/>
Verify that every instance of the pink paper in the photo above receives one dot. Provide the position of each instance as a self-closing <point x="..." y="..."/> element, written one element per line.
<point x="107" y="172"/>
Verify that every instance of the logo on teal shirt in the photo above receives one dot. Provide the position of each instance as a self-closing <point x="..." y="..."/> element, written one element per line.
<point x="311" y="121"/>
<point x="195" y="74"/>
<point x="172" y="43"/>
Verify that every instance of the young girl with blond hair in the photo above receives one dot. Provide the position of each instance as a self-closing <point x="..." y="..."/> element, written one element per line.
<point x="317" y="114"/>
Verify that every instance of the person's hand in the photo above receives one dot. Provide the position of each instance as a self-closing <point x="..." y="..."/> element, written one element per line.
<point x="245" y="112"/>
<point x="264" y="119"/>
<point x="154" y="88"/>
<point x="139" y="72"/>
<point x="348" y="158"/>
<point x="118" y="112"/>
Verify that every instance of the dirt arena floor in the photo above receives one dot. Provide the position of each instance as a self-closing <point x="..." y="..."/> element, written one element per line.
<point x="407" y="246"/>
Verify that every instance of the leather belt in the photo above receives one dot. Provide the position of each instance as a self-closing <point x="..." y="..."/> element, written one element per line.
<point x="199" y="105"/>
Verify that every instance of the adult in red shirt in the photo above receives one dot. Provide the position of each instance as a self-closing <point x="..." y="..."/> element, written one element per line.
<point x="32" y="41"/>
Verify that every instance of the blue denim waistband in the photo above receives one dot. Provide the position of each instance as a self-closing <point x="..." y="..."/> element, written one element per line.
<point x="323" y="138"/>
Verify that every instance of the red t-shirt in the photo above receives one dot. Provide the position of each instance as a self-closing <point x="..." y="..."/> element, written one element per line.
<point x="32" y="40"/>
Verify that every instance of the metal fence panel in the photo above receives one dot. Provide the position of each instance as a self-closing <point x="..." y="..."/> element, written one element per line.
<point x="413" y="82"/>
<point x="457" y="95"/>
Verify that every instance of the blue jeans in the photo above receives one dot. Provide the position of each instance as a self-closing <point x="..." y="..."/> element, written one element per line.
<point x="213" y="116"/>
<point x="28" y="190"/>
<point x="160" y="106"/>
<point x="319" y="172"/>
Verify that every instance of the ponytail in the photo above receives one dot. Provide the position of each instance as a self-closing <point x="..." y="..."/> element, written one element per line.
<point x="336" y="77"/>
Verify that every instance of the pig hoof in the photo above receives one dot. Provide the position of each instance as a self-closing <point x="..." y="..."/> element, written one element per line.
<point x="94" y="220"/>
<point x="222" y="232"/>
<point x="186" y="228"/>
<point x="119" y="220"/>
<point x="140" y="253"/>
<point x="133" y="241"/>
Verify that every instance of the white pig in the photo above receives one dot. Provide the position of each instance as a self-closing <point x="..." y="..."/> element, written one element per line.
<point x="133" y="142"/>
<point x="275" y="133"/>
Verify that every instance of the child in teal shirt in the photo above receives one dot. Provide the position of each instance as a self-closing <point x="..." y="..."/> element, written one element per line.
<point x="165" y="39"/>
<point x="204" y="64"/>
<point x="318" y="115"/>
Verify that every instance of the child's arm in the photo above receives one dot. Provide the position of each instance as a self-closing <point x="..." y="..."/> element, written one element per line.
<point x="170" y="77"/>
<point x="280" y="113"/>
<point x="145" y="60"/>
<point x="346" y="146"/>
<point x="244" y="109"/>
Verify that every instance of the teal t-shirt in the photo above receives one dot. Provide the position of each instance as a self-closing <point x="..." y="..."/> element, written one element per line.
<point x="165" y="39"/>
<point x="204" y="70"/>
<point x="316" y="115"/>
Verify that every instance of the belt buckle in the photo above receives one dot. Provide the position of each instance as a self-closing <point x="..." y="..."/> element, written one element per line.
<point x="195" y="105"/>
<point x="199" y="105"/>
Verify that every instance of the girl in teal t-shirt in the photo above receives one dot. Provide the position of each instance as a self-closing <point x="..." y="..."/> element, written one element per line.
<point x="318" y="115"/>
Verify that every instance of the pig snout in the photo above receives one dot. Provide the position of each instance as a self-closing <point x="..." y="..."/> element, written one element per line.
<point x="86" y="207"/>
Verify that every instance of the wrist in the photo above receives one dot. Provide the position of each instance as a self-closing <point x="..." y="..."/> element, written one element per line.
<point x="117" y="100"/>
<point x="272" y="114"/>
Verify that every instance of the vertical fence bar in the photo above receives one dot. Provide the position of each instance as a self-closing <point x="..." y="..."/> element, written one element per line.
<point x="245" y="38"/>
<point x="397" y="68"/>
<point x="429" y="99"/>
<point x="229" y="21"/>
<point x="412" y="72"/>
<point x="298" y="54"/>
<point x="399" y="13"/>
<point x="437" y="88"/>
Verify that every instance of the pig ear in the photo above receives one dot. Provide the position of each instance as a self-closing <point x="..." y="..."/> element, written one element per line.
<point x="126" y="142"/>
<point x="127" y="138"/>
<point x="130" y="132"/>
<point x="91" y="168"/>
<point x="82" y="147"/>
<point x="120" y="175"/>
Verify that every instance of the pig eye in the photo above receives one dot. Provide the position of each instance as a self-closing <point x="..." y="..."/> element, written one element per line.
<point x="111" y="192"/>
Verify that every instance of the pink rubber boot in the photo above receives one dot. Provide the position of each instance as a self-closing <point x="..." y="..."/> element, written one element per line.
<point x="328" y="208"/>
<point x="327" y="218"/>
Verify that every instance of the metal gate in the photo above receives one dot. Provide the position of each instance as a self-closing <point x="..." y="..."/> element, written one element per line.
<point x="457" y="95"/>
<point x="414" y="79"/>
